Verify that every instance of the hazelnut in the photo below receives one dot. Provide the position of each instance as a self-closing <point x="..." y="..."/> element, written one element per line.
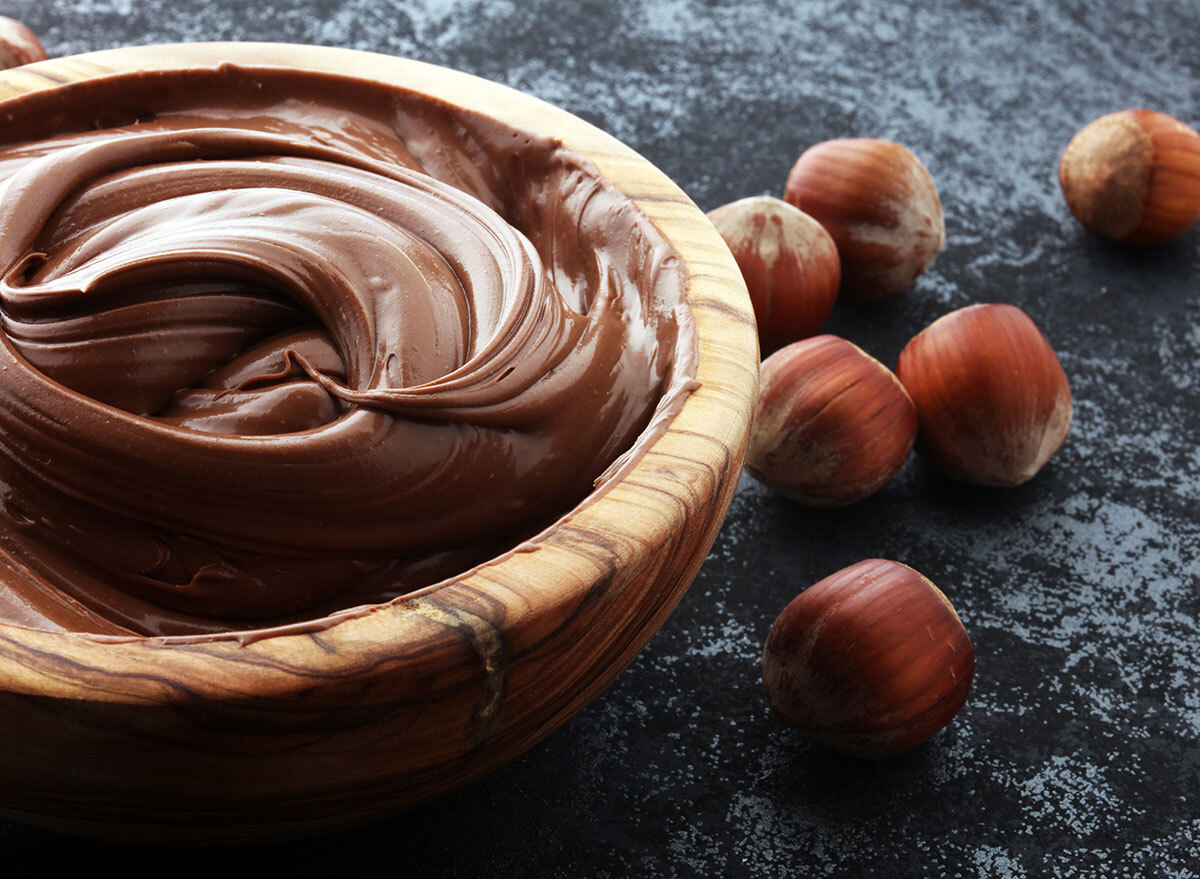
<point x="871" y="661"/>
<point x="1133" y="177"/>
<point x="790" y="265"/>
<point x="832" y="426"/>
<point x="992" y="398"/>
<point x="18" y="44"/>
<point x="880" y="205"/>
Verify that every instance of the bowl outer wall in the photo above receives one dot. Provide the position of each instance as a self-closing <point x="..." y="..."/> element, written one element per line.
<point x="179" y="740"/>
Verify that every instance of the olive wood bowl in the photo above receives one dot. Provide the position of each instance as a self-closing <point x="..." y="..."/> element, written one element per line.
<point x="167" y="740"/>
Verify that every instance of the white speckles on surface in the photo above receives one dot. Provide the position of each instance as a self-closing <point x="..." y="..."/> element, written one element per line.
<point x="1075" y="797"/>
<point x="993" y="862"/>
<point x="731" y="637"/>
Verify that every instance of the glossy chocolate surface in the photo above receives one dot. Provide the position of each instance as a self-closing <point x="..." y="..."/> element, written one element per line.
<point x="277" y="344"/>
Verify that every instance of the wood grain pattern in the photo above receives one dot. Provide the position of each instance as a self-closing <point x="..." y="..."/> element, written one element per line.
<point x="170" y="740"/>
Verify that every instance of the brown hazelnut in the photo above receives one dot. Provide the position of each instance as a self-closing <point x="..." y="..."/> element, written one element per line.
<point x="832" y="426"/>
<point x="871" y="661"/>
<point x="993" y="400"/>
<point x="18" y="44"/>
<point x="1133" y="177"/>
<point x="789" y="263"/>
<point x="880" y="205"/>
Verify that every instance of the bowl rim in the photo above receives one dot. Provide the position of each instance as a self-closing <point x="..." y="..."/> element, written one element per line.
<point x="709" y="429"/>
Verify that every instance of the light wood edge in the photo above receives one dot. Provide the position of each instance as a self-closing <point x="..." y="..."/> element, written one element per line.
<point x="709" y="432"/>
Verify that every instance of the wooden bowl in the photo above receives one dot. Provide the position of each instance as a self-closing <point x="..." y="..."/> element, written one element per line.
<point x="179" y="741"/>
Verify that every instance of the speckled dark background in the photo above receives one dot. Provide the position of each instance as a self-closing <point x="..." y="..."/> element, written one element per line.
<point x="1077" y="753"/>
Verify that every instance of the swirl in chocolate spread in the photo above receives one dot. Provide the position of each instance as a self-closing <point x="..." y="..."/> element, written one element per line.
<point x="280" y="343"/>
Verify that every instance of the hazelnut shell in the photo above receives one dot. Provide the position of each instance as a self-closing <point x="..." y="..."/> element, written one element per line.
<point x="832" y="424"/>
<point x="993" y="400"/>
<point x="1133" y="177"/>
<point x="870" y="661"/>
<point x="789" y="263"/>
<point x="18" y="44"/>
<point x="880" y="205"/>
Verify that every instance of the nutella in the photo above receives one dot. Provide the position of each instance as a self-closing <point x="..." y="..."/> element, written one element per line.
<point x="277" y="344"/>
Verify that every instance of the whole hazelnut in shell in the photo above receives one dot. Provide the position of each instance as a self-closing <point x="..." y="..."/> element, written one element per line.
<point x="1133" y="177"/>
<point x="993" y="400"/>
<point x="870" y="661"/>
<point x="18" y="44"/>
<point x="789" y="263"/>
<point x="832" y="426"/>
<point x="880" y="205"/>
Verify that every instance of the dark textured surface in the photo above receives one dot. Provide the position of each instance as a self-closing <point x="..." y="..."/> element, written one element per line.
<point x="1077" y="753"/>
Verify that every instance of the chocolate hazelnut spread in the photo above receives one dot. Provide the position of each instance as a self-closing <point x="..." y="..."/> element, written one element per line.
<point x="276" y="344"/>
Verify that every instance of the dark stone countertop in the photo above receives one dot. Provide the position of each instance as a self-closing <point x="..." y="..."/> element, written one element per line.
<point x="1077" y="753"/>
